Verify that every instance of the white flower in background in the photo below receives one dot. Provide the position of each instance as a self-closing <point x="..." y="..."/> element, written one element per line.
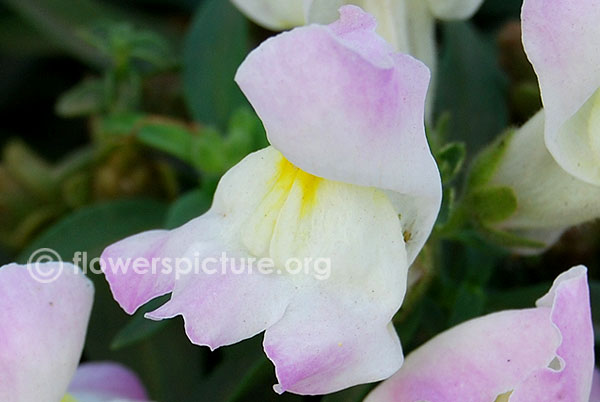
<point x="562" y="41"/>
<point x="553" y="162"/>
<point x="549" y="199"/>
<point x="273" y="14"/>
<point x="349" y="177"/>
<point x="408" y="25"/>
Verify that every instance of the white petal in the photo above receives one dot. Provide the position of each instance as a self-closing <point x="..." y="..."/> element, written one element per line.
<point x="273" y="14"/>
<point x="326" y="343"/>
<point x="561" y="41"/>
<point x="42" y="330"/>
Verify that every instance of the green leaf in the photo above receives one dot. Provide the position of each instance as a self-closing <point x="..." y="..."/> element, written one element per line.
<point x="123" y="43"/>
<point x="119" y="125"/>
<point x="170" y="138"/>
<point x="237" y="360"/>
<point x="492" y="204"/>
<point x="152" y="48"/>
<point x="124" y="90"/>
<point x="450" y="160"/>
<point x="437" y="134"/>
<point x="207" y="149"/>
<point x="187" y="207"/>
<point x="469" y="303"/>
<point x="473" y="264"/>
<point x="215" y="46"/>
<point x="207" y="152"/>
<point x="471" y="85"/>
<point x="92" y="228"/>
<point x="354" y="394"/>
<point x="518" y="298"/>
<point x="139" y="327"/>
<point x="86" y="98"/>
<point x="246" y="134"/>
<point x="253" y="386"/>
<point x="170" y="366"/>
<point x="480" y="203"/>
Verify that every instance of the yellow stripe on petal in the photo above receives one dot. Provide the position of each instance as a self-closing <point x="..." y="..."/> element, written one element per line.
<point x="308" y="185"/>
<point x="307" y="182"/>
<point x="303" y="223"/>
<point x="504" y="397"/>
<point x="259" y="228"/>
<point x="68" y="398"/>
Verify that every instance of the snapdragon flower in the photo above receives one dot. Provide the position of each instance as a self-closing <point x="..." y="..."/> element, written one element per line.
<point x="544" y="353"/>
<point x="552" y="163"/>
<point x="561" y="41"/>
<point x="348" y="178"/>
<point x="42" y="332"/>
<point x="549" y="200"/>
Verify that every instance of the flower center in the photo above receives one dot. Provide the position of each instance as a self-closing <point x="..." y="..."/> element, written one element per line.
<point x="307" y="184"/>
<point x="292" y="190"/>
<point x="68" y="398"/>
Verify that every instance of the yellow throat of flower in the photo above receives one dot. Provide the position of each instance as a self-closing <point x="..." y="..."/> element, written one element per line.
<point x="290" y="175"/>
<point x="68" y="398"/>
<point x="291" y="192"/>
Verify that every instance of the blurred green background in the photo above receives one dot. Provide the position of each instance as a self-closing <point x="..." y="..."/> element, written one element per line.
<point x="117" y="117"/>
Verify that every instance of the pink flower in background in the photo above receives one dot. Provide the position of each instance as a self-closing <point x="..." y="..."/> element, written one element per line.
<point x="42" y="332"/>
<point x="539" y="354"/>
<point x="349" y="178"/>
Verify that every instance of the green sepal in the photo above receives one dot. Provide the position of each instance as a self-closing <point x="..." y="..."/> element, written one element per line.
<point x="487" y="162"/>
<point x="492" y="204"/>
<point x="507" y="239"/>
<point x="450" y="159"/>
